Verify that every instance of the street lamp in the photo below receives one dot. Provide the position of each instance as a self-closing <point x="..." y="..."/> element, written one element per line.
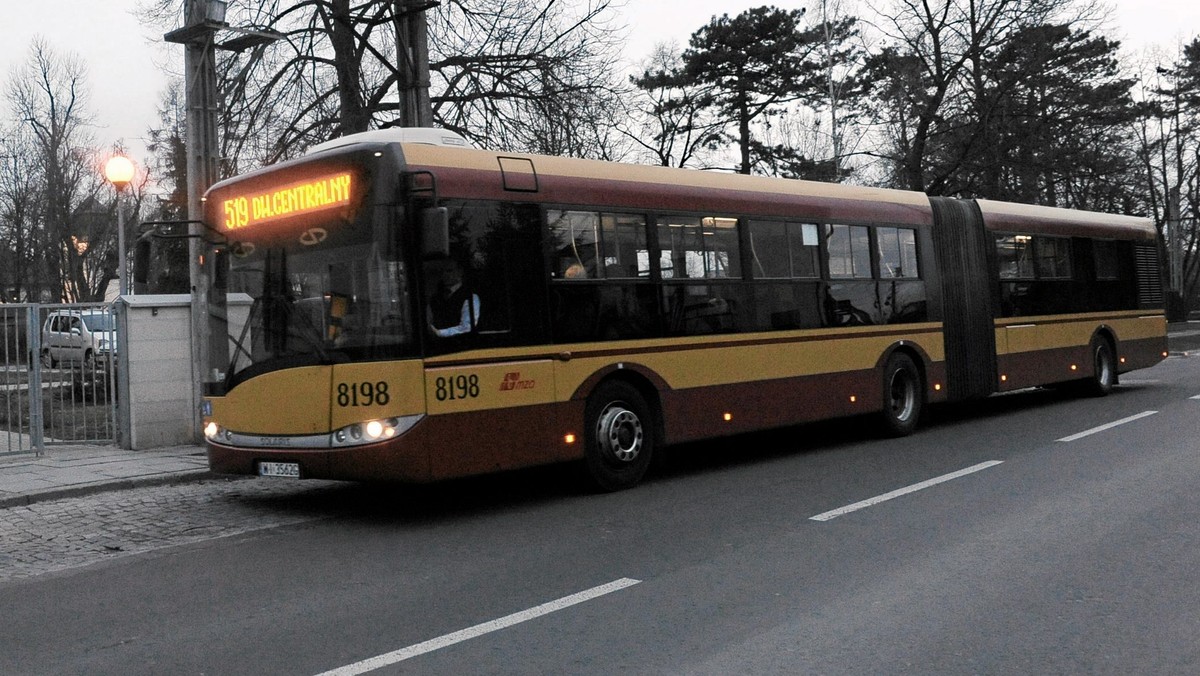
<point x="119" y="171"/>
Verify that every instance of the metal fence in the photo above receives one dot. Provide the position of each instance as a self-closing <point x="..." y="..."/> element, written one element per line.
<point x="59" y="368"/>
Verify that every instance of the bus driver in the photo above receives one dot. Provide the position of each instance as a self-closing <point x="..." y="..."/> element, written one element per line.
<point x="453" y="310"/>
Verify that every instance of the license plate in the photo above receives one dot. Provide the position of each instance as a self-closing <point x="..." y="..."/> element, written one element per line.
<point x="289" y="470"/>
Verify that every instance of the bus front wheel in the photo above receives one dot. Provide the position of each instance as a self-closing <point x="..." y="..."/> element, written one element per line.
<point x="902" y="396"/>
<point x="619" y="436"/>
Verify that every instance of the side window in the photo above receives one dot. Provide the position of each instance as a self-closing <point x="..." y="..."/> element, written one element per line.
<point x="625" y="254"/>
<point x="849" y="251"/>
<point x="699" y="248"/>
<point x="1106" y="255"/>
<point x="479" y="295"/>
<point x="784" y="250"/>
<point x="805" y="246"/>
<point x="897" y="253"/>
<point x="1053" y="257"/>
<point x="593" y="245"/>
<point x="574" y="239"/>
<point x="769" y="253"/>
<point x="1015" y="256"/>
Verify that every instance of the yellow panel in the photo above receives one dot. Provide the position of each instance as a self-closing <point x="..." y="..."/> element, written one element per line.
<point x="453" y="389"/>
<point x="291" y="401"/>
<point x="1141" y="327"/>
<point x="1026" y="334"/>
<point x="706" y="362"/>
<point x="373" y="390"/>
<point x="1022" y="338"/>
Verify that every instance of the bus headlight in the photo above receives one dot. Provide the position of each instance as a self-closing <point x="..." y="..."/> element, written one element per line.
<point x="371" y="431"/>
<point x="211" y="430"/>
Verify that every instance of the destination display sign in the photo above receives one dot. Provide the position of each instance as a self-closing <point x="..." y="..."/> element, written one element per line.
<point x="294" y="199"/>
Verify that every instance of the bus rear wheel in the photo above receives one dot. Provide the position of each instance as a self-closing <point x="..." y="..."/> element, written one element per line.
<point x="619" y="439"/>
<point x="1104" y="368"/>
<point x="902" y="396"/>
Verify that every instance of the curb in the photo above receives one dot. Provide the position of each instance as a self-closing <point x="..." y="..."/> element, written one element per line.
<point x="92" y="488"/>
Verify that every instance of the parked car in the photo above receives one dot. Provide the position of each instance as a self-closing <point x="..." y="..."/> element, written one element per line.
<point x="78" y="337"/>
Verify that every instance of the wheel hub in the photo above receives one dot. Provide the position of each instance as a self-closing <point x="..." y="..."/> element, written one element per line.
<point x="620" y="434"/>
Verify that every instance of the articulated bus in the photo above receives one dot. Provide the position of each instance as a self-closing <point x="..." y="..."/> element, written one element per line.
<point x="424" y="310"/>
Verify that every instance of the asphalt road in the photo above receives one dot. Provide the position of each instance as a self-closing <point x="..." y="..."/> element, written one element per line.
<point x="1019" y="553"/>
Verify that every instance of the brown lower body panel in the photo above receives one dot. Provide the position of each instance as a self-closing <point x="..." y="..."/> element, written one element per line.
<point x="480" y="442"/>
<point x="1047" y="367"/>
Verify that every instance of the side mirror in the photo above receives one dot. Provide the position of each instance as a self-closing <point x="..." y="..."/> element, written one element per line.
<point x="435" y="232"/>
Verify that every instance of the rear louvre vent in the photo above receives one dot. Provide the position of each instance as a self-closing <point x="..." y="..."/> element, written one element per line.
<point x="1149" y="275"/>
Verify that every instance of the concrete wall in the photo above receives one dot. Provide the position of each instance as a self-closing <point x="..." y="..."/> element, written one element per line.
<point x="157" y="353"/>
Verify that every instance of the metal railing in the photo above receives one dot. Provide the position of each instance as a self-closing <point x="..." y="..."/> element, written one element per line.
<point x="58" y="383"/>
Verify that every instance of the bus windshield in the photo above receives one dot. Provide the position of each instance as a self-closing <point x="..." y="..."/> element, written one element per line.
<point x="319" y="305"/>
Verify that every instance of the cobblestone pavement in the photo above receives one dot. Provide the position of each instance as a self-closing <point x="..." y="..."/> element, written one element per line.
<point x="63" y="534"/>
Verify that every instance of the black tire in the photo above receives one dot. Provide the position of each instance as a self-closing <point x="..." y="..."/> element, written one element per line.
<point x="619" y="436"/>
<point x="903" y="396"/>
<point x="1104" y="368"/>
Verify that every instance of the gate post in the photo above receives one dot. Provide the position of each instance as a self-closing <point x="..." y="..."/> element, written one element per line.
<point x="121" y="368"/>
<point x="33" y="338"/>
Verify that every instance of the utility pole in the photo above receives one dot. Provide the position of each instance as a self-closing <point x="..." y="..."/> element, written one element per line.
<point x="1175" y="244"/>
<point x="202" y="20"/>
<point x="210" y="352"/>
<point x="412" y="61"/>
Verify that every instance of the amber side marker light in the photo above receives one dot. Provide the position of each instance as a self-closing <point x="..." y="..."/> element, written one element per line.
<point x="1074" y="367"/>
<point x="1003" y="378"/>
<point x="853" y="398"/>
<point x="937" y="387"/>
<point x="569" y="438"/>
<point x="727" y="417"/>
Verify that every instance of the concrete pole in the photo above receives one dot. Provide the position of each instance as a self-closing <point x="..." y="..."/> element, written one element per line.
<point x="207" y="309"/>
<point x="412" y="62"/>
<point x="1175" y="242"/>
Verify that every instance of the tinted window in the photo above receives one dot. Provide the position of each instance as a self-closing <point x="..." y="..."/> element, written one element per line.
<point x="897" y="253"/>
<point x="699" y="248"/>
<point x="1053" y="257"/>
<point x="1107" y="257"/>
<point x="1015" y="256"/>
<point x="849" y="251"/>
<point x="784" y="250"/>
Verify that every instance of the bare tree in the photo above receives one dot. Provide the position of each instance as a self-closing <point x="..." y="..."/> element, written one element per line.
<point x="501" y="73"/>
<point x="930" y="78"/>
<point x="1168" y="138"/>
<point x="672" y="120"/>
<point x="20" y="217"/>
<point x="48" y="96"/>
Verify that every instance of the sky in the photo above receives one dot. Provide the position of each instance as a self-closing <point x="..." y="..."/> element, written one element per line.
<point x="128" y="64"/>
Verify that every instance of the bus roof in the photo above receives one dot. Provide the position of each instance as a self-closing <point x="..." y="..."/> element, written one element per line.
<point x="1024" y="218"/>
<point x="612" y="184"/>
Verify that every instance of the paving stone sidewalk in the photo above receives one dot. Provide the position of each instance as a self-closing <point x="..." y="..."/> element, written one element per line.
<point x="70" y="471"/>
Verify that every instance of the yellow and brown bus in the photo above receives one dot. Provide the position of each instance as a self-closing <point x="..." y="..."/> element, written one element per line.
<point x="424" y="310"/>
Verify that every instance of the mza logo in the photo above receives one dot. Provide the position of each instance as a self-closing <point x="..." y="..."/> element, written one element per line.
<point x="512" y="381"/>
